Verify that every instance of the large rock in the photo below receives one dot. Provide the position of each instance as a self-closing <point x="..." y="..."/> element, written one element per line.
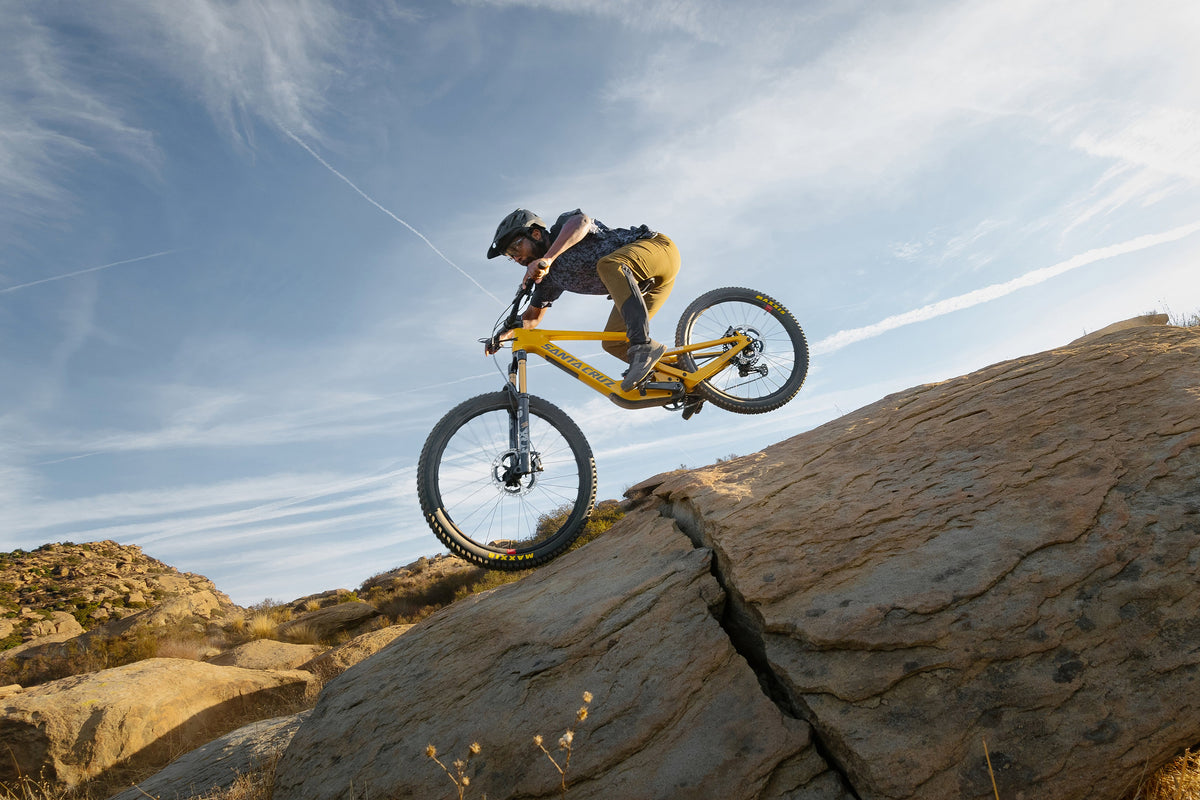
<point x="339" y="659"/>
<point x="58" y="623"/>
<point x="1010" y="556"/>
<point x="76" y="728"/>
<point x="267" y="654"/>
<point x="216" y="766"/>
<point x="324" y="624"/>
<point x="676" y="711"/>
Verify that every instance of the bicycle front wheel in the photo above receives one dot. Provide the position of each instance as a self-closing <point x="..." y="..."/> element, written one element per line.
<point x="763" y="376"/>
<point x="477" y="502"/>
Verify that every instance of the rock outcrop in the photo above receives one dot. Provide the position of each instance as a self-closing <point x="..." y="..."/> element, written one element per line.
<point x="1010" y="556"/>
<point x="73" y="729"/>
<point x="339" y="659"/>
<point x="217" y="765"/>
<point x="323" y="624"/>
<point x="195" y="610"/>
<point x="677" y="712"/>
<point x="267" y="654"/>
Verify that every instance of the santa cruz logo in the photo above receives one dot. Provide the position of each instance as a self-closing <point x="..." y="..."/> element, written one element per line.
<point x="577" y="365"/>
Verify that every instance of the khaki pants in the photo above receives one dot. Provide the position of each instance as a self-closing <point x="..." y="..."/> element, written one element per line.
<point x="653" y="262"/>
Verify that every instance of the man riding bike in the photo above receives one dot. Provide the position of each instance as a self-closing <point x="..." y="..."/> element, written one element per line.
<point x="635" y="266"/>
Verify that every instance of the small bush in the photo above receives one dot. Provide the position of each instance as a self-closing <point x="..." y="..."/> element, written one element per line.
<point x="262" y="626"/>
<point x="302" y="633"/>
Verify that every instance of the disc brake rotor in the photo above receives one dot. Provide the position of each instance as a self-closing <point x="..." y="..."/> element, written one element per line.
<point x="506" y="473"/>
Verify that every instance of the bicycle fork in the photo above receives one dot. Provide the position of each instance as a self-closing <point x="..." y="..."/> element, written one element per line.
<point x="524" y="461"/>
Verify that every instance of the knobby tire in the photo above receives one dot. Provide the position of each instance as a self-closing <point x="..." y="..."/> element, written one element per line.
<point x="500" y="523"/>
<point x="770" y="373"/>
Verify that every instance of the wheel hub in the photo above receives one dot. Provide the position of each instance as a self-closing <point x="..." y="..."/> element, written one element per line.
<point x="507" y="475"/>
<point x="747" y="359"/>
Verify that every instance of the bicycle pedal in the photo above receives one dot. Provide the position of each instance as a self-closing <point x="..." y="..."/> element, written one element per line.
<point x="691" y="407"/>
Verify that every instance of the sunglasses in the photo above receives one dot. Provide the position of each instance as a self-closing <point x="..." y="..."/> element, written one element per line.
<point x="512" y="250"/>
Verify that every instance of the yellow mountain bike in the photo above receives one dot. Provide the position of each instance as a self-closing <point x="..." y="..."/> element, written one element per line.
<point x="507" y="480"/>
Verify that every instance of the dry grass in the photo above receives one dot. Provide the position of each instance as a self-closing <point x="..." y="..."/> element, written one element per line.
<point x="191" y="649"/>
<point x="1178" y="780"/>
<point x="302" y="633"/>
<point x="261" y="626"/>
<point x="1185" y="320"/>
<point x="254" y="785"/>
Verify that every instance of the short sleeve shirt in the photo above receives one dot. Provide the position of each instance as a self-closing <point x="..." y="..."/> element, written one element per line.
<point x="575" y="269"/>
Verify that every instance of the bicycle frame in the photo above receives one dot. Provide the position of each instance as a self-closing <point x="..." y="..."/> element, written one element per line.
<point x="670" y="384"/>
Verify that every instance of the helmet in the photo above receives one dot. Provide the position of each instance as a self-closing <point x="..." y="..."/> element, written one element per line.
<point x="517" y="222"/>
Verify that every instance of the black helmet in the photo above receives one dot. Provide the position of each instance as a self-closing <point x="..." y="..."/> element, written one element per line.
<point x="517" y="222"/>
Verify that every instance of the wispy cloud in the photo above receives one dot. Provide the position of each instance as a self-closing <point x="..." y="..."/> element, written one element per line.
<point x="78" y="272"/>
<point x="51" y="118"/>
<point x="270" y="60"/>
<point x="988" y="293"/>
<point x="230" y="506"/>
<point x="867" y="110"/>
<point x="267" y="59"/>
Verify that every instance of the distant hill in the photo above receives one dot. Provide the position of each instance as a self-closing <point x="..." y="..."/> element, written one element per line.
<point x="93" y="582"/>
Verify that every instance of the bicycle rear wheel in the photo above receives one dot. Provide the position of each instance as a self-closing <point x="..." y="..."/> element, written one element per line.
<point x="485" y="512"/>
<point x="765" y="375"/>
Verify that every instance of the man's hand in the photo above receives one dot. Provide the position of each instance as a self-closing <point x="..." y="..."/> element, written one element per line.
<point x="492" y="346"/>
<point x="536" y="271"/>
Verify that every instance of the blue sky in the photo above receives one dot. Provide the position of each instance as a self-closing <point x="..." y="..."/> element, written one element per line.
<point x="242" y="243"/>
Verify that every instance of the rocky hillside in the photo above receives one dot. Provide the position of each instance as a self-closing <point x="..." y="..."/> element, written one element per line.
<point x="989" y="578"/>
<point x="90" y="583"/>
<point x="1006" y="560"/>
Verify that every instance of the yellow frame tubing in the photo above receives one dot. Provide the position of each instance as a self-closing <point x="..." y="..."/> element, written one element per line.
<point x="541" y="343"/>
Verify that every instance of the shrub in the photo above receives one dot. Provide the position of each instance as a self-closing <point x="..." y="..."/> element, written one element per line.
<point x="262" y="626"/>
<point x="302" y="633"/>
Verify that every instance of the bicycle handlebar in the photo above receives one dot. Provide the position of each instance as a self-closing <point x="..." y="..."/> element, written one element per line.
<point x="512" y="321"/>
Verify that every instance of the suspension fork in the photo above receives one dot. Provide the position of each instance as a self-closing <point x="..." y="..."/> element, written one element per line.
<point x="518" y="422"/>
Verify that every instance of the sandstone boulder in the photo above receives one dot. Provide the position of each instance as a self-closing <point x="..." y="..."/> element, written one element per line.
<point x="341" y="658"/>
<point x="199" y="606"/>
<point x="76" y="728"/>
<point x="267" y="654"/>
<point x="325" y="624"/>
<point x="1010" y="556"/>
<point x="676" y="711"/>
<point x="216" y="766"/>
<point x="1123" y="325"/>
<point x="59" y="623"/>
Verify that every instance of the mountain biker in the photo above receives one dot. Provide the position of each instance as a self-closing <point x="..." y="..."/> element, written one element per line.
<point x="634" y="266"/>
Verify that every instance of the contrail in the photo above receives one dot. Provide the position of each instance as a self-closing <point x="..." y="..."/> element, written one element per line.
<point x="372" y="201"/>
<point x="842" y="338"/>
<point x="84" y="271"/>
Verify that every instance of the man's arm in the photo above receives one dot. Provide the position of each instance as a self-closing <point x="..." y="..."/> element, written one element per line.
<point x="574" y="229"/>
<point x="533" y="316"/>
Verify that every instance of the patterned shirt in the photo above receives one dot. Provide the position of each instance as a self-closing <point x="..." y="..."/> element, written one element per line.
<point x="575" y="269"/>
